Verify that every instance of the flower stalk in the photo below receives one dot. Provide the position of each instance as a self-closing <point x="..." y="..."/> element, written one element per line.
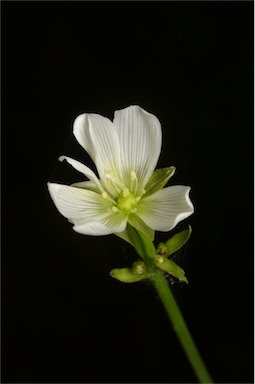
<point x="180" y="327"/>
<point x="145" y="248"/>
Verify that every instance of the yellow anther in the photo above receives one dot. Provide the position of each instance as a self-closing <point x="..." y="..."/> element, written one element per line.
<point x="133" y="210"/>
<point x="108" y="174"/>
<point x="133" y="176"/>
<point x="125" y="192"/>
<point x="115" y="209"/>
<point x="104" y="195"/>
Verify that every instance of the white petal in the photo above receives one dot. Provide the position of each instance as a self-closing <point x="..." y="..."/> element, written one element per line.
<point x="110" y="224"/>
<point x="92" y="228"/>
<point x="82" y="135"/>
<point x="124" y="236"/>
<point x="99" y="138"/>
<point x="83" y="169"/>
<point x="140" y="142"/>
<point x="76" y="203"/>
<point x="87" y="210"/>
<point x="164" y="209"/>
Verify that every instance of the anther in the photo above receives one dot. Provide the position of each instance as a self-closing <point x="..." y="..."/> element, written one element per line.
<point x="113" y="209"/>
<point x="133" y="210"/>
<point x="133" y="176"/>
<point x="104" y="194"/>
<point x="108" y="174"/>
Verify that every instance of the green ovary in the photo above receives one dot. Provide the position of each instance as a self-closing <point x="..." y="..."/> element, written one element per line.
<point x="127" y="204"/>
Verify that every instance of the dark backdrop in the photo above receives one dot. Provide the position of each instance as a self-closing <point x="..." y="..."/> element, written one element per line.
<point x="189" y="63"/>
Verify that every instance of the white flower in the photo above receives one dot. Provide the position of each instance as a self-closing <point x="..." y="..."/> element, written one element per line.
<point x="127" y="189"/>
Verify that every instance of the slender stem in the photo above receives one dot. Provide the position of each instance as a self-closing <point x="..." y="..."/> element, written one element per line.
<point x="180" y="327"/>
<point x="145" y="248"/>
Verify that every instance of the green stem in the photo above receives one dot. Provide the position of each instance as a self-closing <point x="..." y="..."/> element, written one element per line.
<point x="145" y="248"/>
<point x="181" y="328"/>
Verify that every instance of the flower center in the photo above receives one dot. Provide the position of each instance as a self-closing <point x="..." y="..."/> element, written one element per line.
<point x="127" y="202"/>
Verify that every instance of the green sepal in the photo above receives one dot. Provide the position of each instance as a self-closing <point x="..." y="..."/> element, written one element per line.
<point x="143" y="245"/>
<point x="136" y="241"/>
<point x="158" y="180"/>
<point x="131" y="275"/>
<point x="140" y="226"/>
<point x="170" y="267"/>
<point x="149" y="247"/>
<point x="176" y="242"/>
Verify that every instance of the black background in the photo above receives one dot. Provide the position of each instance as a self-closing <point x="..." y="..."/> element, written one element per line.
<point x="189" y="63"/>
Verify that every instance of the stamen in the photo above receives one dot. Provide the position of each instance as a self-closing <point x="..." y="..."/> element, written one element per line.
<point x="113" y="181"/>
<point x="133" y="176"/>
<point x="113" y="209"/>
<point x="108" y="174"/>
<point x="138" y="198"/>
<point x="104" y="195"/>
<point x="133" y="210"/>
<point x="108" y="197"/>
